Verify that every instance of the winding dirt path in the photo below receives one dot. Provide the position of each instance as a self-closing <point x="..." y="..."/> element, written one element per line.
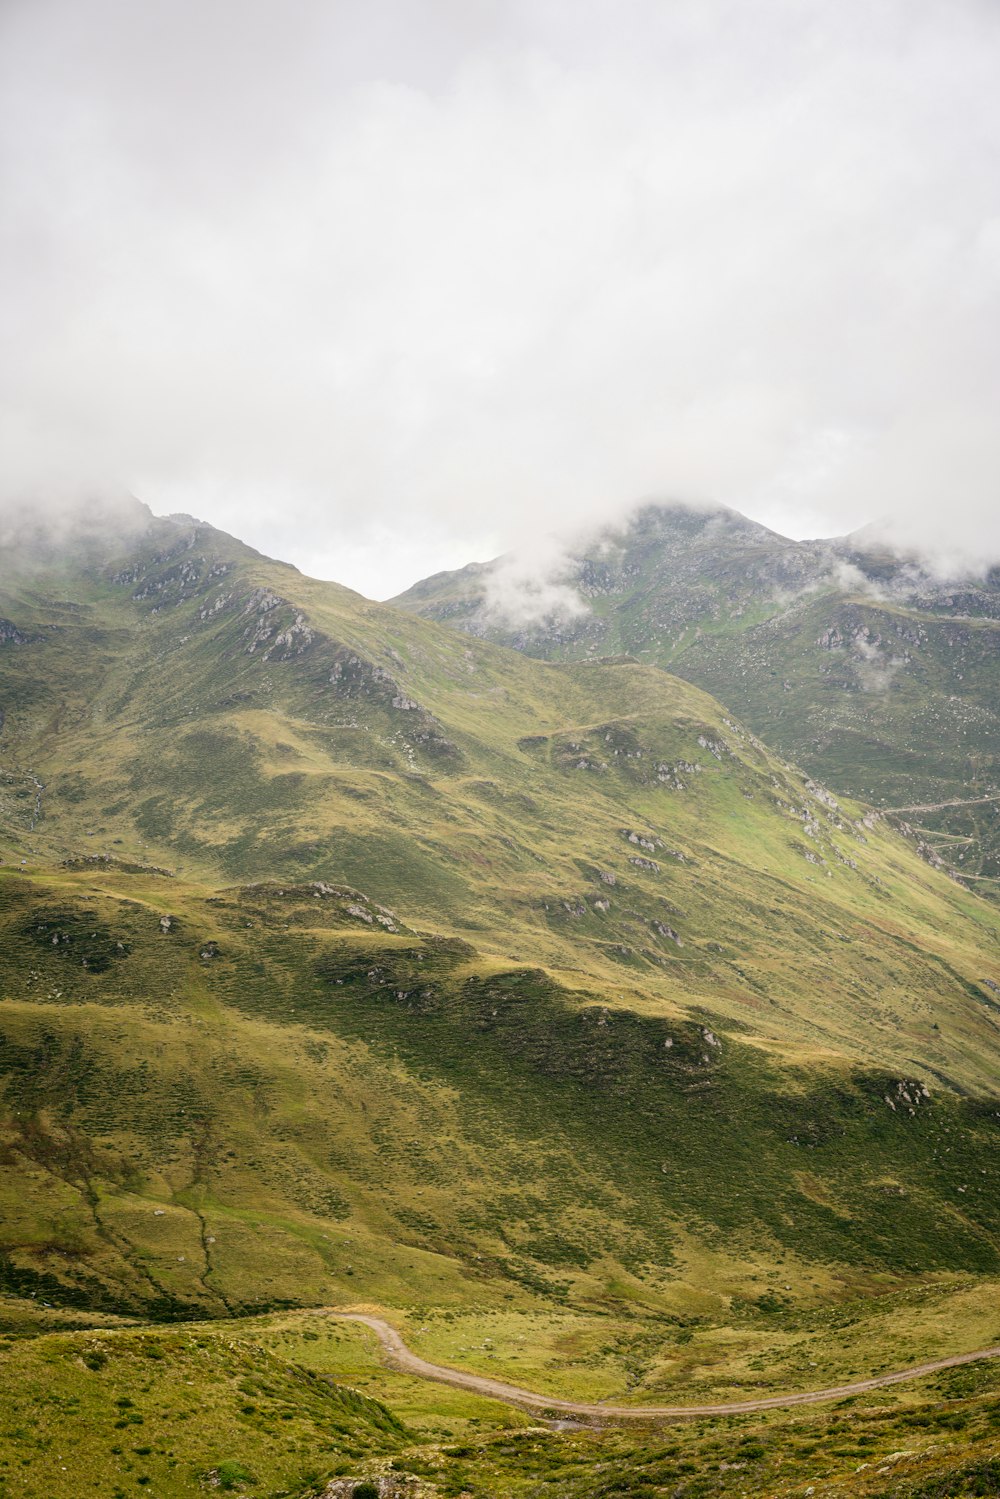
<point x="969" y="801"/>
<point x="398" y="1356"/>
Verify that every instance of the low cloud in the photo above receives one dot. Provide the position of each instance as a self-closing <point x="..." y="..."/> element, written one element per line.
<point x="875" y="668"/>
<point x="846" y="577"/>
<point x="69" y="515"/>
<point x="386" y="286"/>
<point x="533" y="587"/>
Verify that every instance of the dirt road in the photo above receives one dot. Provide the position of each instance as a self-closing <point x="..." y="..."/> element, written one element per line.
<point x="969" y="801"/>
<point x="398" y="1356"/>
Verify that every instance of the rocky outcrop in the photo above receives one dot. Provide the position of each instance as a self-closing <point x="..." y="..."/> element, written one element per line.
<point x="11" y="635"/>
<point x="351" y="904"/>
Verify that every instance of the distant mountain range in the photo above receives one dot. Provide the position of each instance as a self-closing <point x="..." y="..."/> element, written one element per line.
<point x="857" y="663"/>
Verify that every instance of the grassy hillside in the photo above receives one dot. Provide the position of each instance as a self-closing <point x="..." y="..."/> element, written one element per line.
<point x="530" y="1184"/>
<point x="262" y="1105"/>
<point x="348" y="961"/>
<point x="276" y="1405"/>
<point x="196" y="708"/>
<point x="858" y="665"/>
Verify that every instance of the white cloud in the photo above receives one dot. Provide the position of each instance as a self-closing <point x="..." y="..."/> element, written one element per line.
<point x="532" y="585"/>
<point x="399" y="284"/>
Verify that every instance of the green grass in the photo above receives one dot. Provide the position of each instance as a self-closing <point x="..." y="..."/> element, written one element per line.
<point x="881" y="684"/>
<point x="176" y="1412"/>
<point x="282" y="1405"/>
<point x="314" y="1112"/>
<point x="496" y="808"/>
<point x="347" y="961"/>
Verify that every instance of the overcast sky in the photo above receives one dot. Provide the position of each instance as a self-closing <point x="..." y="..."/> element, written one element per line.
<point x="386" y="286"/>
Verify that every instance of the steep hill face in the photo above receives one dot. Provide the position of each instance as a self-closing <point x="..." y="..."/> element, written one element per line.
<point x="189" y="704"/>
<point x="857" y="664"/>
<point x="344" y="954"/>
<point x="220" y="1102"/>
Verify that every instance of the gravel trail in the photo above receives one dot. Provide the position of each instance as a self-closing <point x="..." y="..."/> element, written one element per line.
<point x="398" y="1356"/>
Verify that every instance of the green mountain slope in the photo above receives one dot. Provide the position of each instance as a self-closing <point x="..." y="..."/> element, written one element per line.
<point x="194" y="706"/>
<point x="261" y="1105"/>
<point x="858" y="665"/>
<point x="346" y="959"/>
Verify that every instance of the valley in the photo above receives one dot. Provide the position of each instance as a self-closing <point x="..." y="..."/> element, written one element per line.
<point x="537" y="1008"/>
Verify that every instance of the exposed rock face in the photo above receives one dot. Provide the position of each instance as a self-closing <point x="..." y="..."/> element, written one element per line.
<point x="11" y="635"/>
<point x="353" y="904"/>
<point x="908" y="1095"/>
<point x="255" y="619"/>
<point x="643" y="840"/>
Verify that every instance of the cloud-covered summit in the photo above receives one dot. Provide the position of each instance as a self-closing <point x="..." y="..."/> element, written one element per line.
<point x="384" y="286"/>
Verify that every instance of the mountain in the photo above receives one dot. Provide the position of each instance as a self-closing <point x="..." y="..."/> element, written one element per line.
<point x="346" y="959"/>
<point x="189" y="704"/>
<point x="858" y="664"/>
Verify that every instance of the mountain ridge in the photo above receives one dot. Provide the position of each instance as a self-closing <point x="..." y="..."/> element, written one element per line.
<point x="386" y="727"/>
<point x="349" y="961"/>
<point x="851" y="659"/>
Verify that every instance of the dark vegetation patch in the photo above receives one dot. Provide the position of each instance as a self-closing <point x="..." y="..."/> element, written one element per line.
<point x="693" y="1120"/>
<point x="110" y="862"/>
<point x="76" y="936"/>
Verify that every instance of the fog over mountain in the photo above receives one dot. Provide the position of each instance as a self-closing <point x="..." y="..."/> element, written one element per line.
<point x="499" y="748"/>
<point x="385" y="287"/>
